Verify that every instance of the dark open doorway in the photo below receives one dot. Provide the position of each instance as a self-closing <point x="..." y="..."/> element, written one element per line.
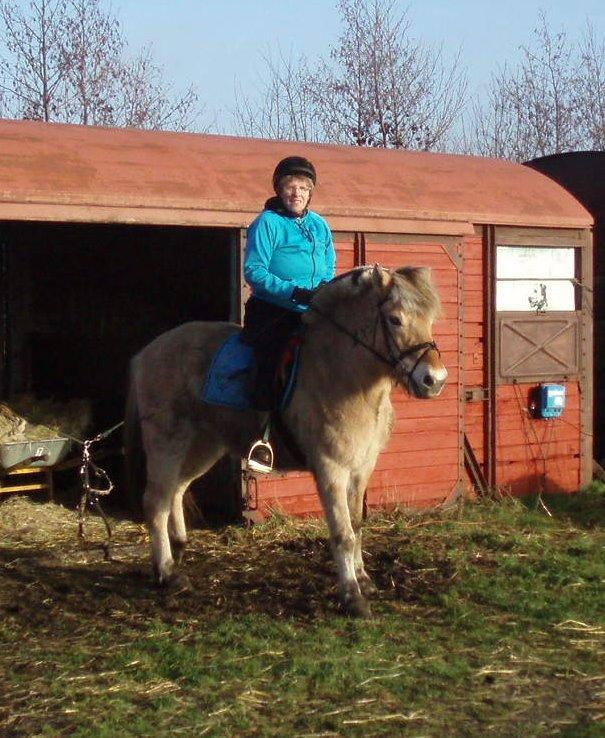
<point x="79" y="300"/>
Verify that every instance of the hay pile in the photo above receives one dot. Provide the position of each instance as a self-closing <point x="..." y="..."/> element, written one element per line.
<point x="27" y="418"/>
<point x="29" y="524"/>
<point x="24" y="520"/>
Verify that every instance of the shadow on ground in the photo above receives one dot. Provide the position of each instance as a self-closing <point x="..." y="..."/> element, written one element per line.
<point x="46" y="572"/>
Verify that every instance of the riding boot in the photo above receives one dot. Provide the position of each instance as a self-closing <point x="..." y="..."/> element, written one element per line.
<point x="261" y="386"/>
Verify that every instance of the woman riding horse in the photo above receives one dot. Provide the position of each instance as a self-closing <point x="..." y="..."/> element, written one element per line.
<point x="289" y="253"/>
<point x="373" y="322"/>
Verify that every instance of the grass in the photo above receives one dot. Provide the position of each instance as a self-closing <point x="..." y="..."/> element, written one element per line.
<point x="489" y="622"/>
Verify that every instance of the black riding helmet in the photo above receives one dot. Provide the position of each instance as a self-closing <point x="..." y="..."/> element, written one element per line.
<point x="293" y="165"/>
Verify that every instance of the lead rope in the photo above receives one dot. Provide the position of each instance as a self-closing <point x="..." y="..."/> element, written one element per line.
<point x="96" y="483"/>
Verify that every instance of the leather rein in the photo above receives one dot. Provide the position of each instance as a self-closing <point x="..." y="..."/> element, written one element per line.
<point x="394" y="359"/>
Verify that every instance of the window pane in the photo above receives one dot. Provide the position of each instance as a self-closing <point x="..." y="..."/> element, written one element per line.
<point x="530" y="262"/>
<point x="531" y="294"/>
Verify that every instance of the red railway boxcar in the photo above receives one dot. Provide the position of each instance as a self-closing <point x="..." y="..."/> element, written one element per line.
<point x="110" y="236"/>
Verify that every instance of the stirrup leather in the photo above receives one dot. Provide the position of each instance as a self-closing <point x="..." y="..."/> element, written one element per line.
<point x="260" y="457"/>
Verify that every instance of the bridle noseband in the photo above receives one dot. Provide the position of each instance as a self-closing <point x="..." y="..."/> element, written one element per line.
<point x="394" y="358"/>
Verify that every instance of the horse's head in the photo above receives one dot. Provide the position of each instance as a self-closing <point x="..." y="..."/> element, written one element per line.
<point x="409" y="305"/>
<point x="400" y="308"/>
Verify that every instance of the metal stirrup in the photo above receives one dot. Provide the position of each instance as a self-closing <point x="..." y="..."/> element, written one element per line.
<point x="253" y="464"/>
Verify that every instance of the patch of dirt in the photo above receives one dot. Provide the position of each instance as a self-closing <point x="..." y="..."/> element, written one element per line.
<point x="282" y="569"/>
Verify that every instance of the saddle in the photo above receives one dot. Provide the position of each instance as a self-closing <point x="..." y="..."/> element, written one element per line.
<point x="233" y="372"/>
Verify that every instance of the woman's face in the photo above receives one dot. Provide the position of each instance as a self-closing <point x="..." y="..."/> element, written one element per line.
<point x="295" y="194"/>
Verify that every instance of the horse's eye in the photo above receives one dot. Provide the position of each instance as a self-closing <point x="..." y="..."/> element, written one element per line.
<point x="394" y="320"/>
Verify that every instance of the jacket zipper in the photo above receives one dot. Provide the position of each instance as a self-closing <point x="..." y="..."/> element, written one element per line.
<point x="313" y="261"/>
<point x="309" y="235"/>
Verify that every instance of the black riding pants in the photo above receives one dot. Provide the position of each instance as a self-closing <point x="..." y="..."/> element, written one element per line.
<point x="267" y="328"/>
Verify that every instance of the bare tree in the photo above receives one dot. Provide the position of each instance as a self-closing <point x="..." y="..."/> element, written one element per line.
<point x="344" y="84"/>
<point x="284" y="107"/>
<point x="67" y="60"/>
<point x="590" y="89"/>
<point x="378" y="87"/>
<point x="92" y="47"/>
<point x="32" y="67"/>
<point x="384" y="88"/>
<point x="552" y="101"/>
<point x="147" y="101"/>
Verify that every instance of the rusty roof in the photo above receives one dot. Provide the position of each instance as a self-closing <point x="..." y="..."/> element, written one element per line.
<point x="79" y="173"/>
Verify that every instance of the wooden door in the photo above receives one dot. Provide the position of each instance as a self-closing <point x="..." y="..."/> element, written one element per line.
<point x="422" y="464"/>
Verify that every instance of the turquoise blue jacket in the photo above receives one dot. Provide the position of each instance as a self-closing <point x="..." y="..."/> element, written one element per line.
<point x="284" y="252"/>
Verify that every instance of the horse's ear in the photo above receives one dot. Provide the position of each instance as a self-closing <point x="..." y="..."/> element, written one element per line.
<point x="381" y="278"/>
<point x="423" y="274"/>
<point x="416" y="274"/>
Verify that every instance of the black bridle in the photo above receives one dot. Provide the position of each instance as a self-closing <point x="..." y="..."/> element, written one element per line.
<point x="395" y="357"/>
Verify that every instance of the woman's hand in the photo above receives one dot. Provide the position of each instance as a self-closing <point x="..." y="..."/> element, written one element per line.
<point x="302" y="296"/>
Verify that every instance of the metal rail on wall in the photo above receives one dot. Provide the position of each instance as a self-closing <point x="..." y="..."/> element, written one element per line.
<point x="490" y="358"/>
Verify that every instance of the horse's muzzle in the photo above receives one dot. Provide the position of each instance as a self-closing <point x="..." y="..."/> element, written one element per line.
<point x="426" y="382"/>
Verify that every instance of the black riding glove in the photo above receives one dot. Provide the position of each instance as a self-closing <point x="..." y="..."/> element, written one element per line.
<point x="302" y="296"/>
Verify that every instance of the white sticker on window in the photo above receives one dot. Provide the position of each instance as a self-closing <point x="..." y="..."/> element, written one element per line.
<point x="535" y="295"/>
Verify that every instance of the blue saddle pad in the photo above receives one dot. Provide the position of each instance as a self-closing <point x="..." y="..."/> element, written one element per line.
<point x="228" y="380"/>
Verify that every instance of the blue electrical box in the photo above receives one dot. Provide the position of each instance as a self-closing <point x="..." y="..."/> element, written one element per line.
<point x="552" y="400"/>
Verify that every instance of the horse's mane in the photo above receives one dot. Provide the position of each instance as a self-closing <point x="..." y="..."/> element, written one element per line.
<point x="411" y="287"/>
<point x="417" y="292"/>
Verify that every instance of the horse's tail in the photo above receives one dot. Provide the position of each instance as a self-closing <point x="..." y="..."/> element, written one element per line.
<point x="134" y="453"/>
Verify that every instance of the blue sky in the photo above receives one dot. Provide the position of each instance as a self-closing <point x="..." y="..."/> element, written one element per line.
<point x="216" y="44"/>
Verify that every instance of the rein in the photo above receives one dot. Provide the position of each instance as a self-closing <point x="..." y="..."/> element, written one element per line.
<point x="393" y="360"/>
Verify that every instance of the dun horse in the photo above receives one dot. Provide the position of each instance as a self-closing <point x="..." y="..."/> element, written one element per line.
<point x="365" y="331"/>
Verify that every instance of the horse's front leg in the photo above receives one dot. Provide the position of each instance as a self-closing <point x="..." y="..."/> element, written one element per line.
<point x="358" y="483"/>
<point x="333" y="481"/>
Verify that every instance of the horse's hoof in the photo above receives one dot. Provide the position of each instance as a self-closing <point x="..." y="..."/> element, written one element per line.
<point x="177" y="584"/>
<point x="357" y="607"/>
<point x="366" y="585"/>
<point x="178" y="550"/>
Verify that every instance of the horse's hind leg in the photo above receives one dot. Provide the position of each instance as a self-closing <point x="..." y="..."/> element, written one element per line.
<point x="163" y="504"/>
<point x="333" y="483"/>
<point x="157" y="502"/>
<point x="177" y="530"/>
<point x="206" y="457"/>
